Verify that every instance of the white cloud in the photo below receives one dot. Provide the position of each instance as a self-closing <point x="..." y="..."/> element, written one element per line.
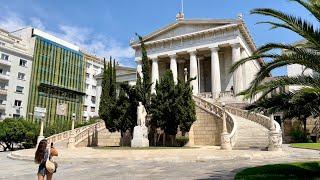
<point x="85" y="38"/>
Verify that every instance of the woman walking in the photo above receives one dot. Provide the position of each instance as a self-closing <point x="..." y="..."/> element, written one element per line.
<point x="41" y="156"/>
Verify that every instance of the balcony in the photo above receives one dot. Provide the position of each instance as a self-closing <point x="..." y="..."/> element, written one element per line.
<point x="5" y="62"/>
<point x="3" y="91"/>
<point x="4" y="77"/>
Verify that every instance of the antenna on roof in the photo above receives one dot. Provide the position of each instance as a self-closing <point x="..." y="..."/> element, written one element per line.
<point x="180" y="15"/>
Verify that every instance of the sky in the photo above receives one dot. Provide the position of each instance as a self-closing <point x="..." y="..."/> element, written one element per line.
<point x="105" y="27"/>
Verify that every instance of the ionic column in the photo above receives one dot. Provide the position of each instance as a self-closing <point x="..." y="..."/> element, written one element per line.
<point x="154" y="75"/>
<point x="215" y="73"/>
<point x="139" y="67"/>
<point x="174" y="68"/>
<point x="237" y="74"/>
<point x="194" y="72"/>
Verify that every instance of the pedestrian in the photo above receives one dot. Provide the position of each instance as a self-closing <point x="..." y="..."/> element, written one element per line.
<point x="42" y="155"/>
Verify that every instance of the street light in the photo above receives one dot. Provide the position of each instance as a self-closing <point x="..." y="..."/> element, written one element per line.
<point x="73" y="120"/>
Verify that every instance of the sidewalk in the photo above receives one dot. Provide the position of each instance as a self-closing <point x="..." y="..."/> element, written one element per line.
<point x="201" y="154"/>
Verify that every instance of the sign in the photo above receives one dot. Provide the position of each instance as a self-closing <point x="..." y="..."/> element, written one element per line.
<point x="39" y="112"/>
<point x="40" y="109"/>
<point x="62" y="109"/>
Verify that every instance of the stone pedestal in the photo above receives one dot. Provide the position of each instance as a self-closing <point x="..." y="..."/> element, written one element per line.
<point x="225" y="141"/>
<point x="275" y="141"/>
<point x="140" y="137"/>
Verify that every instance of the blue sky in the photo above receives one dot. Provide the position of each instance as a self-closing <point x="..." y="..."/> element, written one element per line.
<point x="104" y="27"/>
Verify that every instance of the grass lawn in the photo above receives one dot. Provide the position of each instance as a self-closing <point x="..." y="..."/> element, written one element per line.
<point x="315" y="146"/>
<point x="302" y="170"/>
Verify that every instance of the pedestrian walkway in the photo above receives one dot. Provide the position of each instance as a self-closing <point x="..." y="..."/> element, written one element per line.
<point x="195" y="163"/>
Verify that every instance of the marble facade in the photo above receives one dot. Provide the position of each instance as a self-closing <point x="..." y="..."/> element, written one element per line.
<point x="207" y="49"/>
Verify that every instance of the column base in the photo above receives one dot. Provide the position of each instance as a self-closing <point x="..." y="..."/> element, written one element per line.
<point x="225" y="141"/>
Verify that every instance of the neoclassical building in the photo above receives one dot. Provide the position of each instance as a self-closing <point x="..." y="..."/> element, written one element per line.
<point x="205" y="49"/>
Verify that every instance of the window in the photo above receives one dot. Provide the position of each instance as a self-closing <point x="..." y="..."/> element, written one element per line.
<point x="21" y="76"/>
<point x="95" y="67"/>
<point x="17" y="103"/>
<point x="1" y="71"/>
<point x="87" y="75"/>
<point x="93" y="99"/>
<point x="85" y="108"/>
<point x="2" y="43"/>
<point x="93" y="109"/>
<point x="19" y="89"/>
<point x="2" y="101"/>
<point x="5" y="57"/>
<point x="16" y="115"/>
<point x="23" y="63"/>
<point x="88" y="65"/>
<point x="87" y="86"/>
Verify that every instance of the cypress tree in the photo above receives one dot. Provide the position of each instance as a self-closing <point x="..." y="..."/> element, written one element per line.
<point x="144" y="87"/>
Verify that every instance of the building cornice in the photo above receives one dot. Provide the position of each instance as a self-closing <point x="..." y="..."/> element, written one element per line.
<point x="231" y="26"/>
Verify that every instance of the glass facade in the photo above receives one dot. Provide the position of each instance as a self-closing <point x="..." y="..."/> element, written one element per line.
<point x="57" y="82"/>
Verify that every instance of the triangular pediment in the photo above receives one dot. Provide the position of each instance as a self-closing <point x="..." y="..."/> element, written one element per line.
<point x="186" y="27"/>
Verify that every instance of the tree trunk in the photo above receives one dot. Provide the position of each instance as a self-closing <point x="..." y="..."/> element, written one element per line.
<point x="305" y="126"/>
<point x="164" y="139"/>
<point x="155" y="138"/>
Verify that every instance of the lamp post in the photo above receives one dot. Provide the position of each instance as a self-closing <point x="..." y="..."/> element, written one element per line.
<point x="71" y="140"/>
<point x="40" y="137"/>
<point x="225" y="137"/>
<point x="73" y="120"/>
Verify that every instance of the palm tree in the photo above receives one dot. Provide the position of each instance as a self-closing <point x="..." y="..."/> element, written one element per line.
<point x="306" y="54"/>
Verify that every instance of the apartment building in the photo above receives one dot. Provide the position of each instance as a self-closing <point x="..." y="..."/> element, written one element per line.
<point x="15" y="71"/>
<point x="94" y="66"/>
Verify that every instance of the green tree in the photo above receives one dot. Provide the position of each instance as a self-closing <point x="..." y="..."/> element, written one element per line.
<point x="185" y="111"/>
<point x="163" y="106"/>
<point x="299" y="103"/>
<point x="306" y="53"/>
<point x="17" y="132"/>
<point x="108" y="95"/>
<point x="144" y="83"/>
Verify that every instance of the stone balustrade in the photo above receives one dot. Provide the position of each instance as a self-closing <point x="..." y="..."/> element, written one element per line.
<point x="218" y="111"/>
<point x="275" y="134"/>
<point x="67" y="134"/>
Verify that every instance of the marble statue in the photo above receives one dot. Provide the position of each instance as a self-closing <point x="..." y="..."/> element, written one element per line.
<point x="140" y="132"/>
<point x="141" y="115"/>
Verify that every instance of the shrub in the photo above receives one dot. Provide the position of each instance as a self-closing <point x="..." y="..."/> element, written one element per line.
<point x="182" y="140"/>
<point x="14" y="132"/>
<point x="298" y="136"/>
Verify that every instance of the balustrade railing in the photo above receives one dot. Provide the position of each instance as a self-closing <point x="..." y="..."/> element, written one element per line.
<point x="66" y="135"/>
<point x="79" y="137"/>
<point x="218" y="111"/>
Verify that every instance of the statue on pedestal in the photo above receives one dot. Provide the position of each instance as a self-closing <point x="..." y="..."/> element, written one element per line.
<point x="140" y="132"/>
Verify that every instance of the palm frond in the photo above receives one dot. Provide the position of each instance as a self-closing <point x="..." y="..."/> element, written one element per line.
<point x="311" y="6"/>
<point x="295" y="24"/>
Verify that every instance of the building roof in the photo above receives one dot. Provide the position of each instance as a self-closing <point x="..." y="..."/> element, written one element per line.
<point x="222" y="23"/>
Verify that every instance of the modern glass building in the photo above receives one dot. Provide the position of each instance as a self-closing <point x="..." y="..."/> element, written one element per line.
<point x="57" y="80"/>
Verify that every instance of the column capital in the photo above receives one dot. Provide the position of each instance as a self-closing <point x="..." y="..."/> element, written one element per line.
<point x="172" y="55"/>
<point x="154" y="59"/>
<point x="192" y="52"/>
<point x="235" y="45"/>
<point x="214" y="48"/>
